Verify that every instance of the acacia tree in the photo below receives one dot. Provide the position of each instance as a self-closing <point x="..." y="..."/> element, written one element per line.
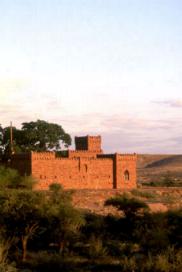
<point x="129" y="206"/>
<point x="133" y="210"/>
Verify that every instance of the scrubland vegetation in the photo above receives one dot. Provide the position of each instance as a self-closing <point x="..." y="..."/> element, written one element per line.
<point x="42" y="231"/>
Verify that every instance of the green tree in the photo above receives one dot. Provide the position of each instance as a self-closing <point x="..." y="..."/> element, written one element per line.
<point x="36" y="136"/>
<point x="42" y="136"/>
<point x="63" y="219"/>
<point x="20" y="212"/>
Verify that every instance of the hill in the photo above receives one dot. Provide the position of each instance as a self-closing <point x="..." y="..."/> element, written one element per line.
<point x="159" y="170"/>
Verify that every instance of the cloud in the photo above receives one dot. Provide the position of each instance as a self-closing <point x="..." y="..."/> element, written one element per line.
<point x="98" y="122"/>
<point x="23" y="108"/>
<point x="175" y="103"/>
<point x="120" y="132"/>
<point x="125" y="134"/>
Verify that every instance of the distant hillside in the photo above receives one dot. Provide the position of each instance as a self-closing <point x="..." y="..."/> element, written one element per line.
<point x="145" y="160"/>
<point x="159" y="168"/>
<point x="159" y="161"/>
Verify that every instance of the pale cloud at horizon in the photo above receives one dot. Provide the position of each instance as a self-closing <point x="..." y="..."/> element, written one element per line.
<point x="119" y="133"/>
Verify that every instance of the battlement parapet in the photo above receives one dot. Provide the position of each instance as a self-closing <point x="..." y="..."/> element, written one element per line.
<point x="94" y="137"/>
<point x="43" y="155"/>
<point x="127" y="157"/>
<point x="103" y="156"/>
<point x="88" y="136"/>
<point x="82" y="151"/>
<point x="47" y="153"/>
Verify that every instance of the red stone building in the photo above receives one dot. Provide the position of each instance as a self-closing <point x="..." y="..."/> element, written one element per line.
<point x="82" y="168"/>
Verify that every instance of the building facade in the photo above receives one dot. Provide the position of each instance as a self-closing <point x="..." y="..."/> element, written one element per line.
<point x="86" y="167"/>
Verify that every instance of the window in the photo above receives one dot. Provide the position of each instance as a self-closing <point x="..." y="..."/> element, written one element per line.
<point x="126" y="175"/>
<point x="85" y="167"/>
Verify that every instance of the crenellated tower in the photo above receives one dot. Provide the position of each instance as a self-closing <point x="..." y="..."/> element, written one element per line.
<point x="89" y="143"/>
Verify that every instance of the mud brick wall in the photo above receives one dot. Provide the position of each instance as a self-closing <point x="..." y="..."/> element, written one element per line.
<point x="125" y="163"/>
<point x="72" y="173"/>
<point x="84" y="172"/>
<point x="81" y="169"/>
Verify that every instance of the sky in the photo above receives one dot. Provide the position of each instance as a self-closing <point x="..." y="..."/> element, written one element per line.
<point x="108" y="67"/>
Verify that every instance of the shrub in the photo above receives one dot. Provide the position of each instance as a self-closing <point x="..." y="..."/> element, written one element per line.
<point x="8" y="177"/>
<point x="129" y="264"/>
<point x="129" y="206"/>
<point x="96" y="248"/>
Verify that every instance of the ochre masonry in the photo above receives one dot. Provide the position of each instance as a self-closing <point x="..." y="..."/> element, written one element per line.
<point x="86" y="167"/>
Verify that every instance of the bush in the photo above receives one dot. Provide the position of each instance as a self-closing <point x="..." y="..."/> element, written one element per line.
<point x="129" y="206"/>
<point x="96" y="248"/>
<point x="129" y="264"/>
<point x="8" y="177"/>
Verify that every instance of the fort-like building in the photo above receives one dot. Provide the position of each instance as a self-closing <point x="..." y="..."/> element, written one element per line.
<point x="86" y="167"/>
